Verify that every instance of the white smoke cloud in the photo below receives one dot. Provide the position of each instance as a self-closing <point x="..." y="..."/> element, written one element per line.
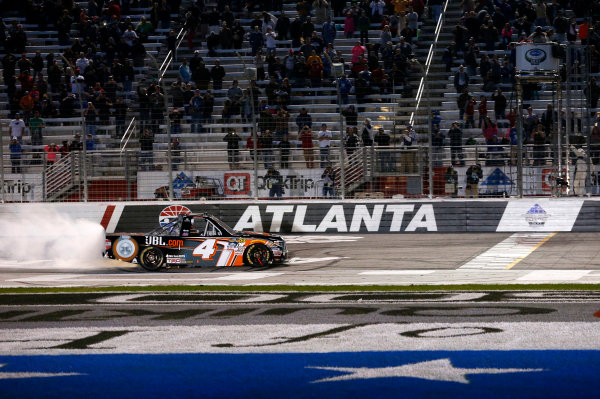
<point x="39" y="233"/>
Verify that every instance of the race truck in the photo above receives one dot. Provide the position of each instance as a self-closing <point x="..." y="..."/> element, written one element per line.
<point x="196" y="240"/>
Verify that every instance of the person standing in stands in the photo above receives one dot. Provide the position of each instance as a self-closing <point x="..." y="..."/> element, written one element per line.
<point x="274" y="182"/>
<point x="306" y="137"/>
<point x="328" y="178"/>
<point x="36" y="124"/>
<point x="303" y="120"/>
<point x="15" y="155"/>
<point x="474" y="174"/>
<point x="385" y="157"/>
<point x="217" y="73"/>
<point x="367" y="133"/>
<point x="51" y="153"/>
<point x="233" y="148"/>
<point x="175" y="153"/>
<point x="146" y="151"/>
<point x="324" y="137"/>
<point x="284" y="152"/>
<point x="17" y="128"/>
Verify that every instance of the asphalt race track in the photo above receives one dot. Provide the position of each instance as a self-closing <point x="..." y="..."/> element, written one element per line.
<point x="300" y="345"/>
<point x="354" y="259"/>
<point x="321" y="344"/>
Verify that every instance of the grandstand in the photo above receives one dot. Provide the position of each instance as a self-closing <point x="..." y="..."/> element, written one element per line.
<point x="171" y="52"/>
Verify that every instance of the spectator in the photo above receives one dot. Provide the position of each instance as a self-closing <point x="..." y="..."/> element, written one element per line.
<point x="385" y="156"/>
<point x="282" y="26"/>
<point x="217" y="73"/>
<point x="270" y="41"/>
<point x="495" y="153"/>
<point x="357" y="51"/>
<point x="259" y="63"/>
<point x="325" y="136"/>
<point x="146" y="151"/>
<point x="51" y="153"/>
<point x="175" y="148"/>
<point x="282" y="119"/>
<point x="175" y="118"/>
<point x="315" y="72"/>
<point x="251" y="147"/>
<point x="363" y="27"/>
<point x="489" y="129"/>
<point x="328" y="32"/>
<point x="284" y="152"/>
<point x="449" y="56"/>
<point x="385" y="36"/>
<point x="407" y="158"/>
<point x="367" y="133"/>
<point x="184" y="72"/>
<point x="266" y="148"/>
<point x="36" y="124"/>
<point x="274" y="183"/>
<point x="303" y="119"/>
<point x="76" y="144"/>
<point x="352" y="140"/>
<point x="90" y="115"/>
<point x="455" y="135"/>
<point x="470" y="112"/>
<point x="26" y="105"/>
<point x="437" y="143"/>
<point x="482" y="108"/>
<point x="233" y="144"/>
<point x="64" y="149"/>
<point x="90" y="144"/>
<point x="256" y="40"/>
<point x="196" y="112"/>
<point x="539" y="36"/>
<point x="328" y="178"/>
<point x="16" y="128"/>
<point x="208" y="103"/>
<point x="499" y="105"/>
<point x="37" y="64"/>
<point x="306" y="137"/>
<point x="307" y="28"/>
<point x="16" y="153"/>
<point x="461" y="80"/>
<point x="349" y="25"/>
<point x="351" y="116"/>
<point x="474" y="174"/>
<point x="451" y="178"/>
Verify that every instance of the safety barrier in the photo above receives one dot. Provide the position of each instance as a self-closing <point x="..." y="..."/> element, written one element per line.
<point x="341" y="217"/>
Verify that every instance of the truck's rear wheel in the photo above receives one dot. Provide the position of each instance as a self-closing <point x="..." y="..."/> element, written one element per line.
<point x="258" y="255"/>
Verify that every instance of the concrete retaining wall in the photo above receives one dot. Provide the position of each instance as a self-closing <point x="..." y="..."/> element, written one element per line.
<point x="294" y="217"/>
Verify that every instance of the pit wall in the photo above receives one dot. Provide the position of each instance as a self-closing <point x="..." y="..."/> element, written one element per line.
<point x="318" y="217"/>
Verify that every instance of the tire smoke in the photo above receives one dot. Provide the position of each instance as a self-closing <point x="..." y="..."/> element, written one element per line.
<point x="39" y="233"/>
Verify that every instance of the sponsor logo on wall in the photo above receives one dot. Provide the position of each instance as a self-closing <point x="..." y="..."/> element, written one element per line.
<point x="540" y="215"/>
<point x="237" y="183"/>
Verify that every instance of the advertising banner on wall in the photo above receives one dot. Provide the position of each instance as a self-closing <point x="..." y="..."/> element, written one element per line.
<point x="328" y="217"/>
<point x="205" y="184"/>
<point x="23" y="187"/>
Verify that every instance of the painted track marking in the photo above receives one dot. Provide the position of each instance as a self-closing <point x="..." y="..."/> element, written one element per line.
<point x="506" y="254"/>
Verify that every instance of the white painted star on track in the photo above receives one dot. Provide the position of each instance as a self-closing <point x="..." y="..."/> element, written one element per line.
<point x="7" y="375"/>
<point x="433" y="370"/>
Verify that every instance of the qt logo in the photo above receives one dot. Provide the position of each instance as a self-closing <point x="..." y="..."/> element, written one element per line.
<point x="237" y="183"/>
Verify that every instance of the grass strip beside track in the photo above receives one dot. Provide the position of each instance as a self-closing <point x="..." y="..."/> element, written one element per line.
<point x="311" y="288"/>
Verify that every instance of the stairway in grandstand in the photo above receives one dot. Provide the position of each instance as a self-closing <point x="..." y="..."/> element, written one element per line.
<point x="60" y="129"/>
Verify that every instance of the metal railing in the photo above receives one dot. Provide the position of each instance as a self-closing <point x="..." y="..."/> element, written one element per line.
<point x="382" y="172"/>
